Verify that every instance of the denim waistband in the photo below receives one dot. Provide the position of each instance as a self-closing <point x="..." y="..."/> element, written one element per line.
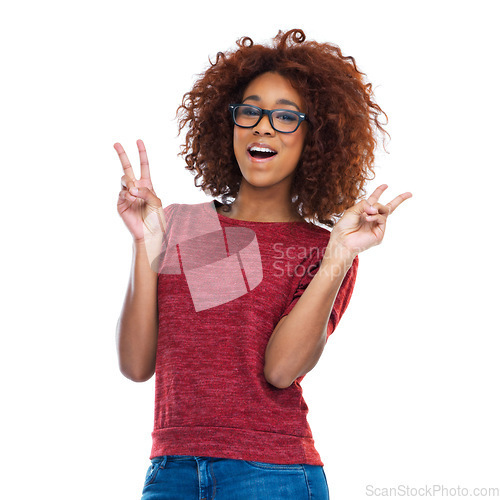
<point x="170" y="458"/>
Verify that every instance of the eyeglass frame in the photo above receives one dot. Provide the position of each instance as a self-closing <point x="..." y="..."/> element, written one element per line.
<point x="268" y="112"/>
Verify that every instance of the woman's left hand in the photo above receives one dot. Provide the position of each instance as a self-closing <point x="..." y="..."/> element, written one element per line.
<point x="363" y="225"/>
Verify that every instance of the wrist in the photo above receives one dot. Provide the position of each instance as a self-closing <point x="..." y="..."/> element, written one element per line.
<point x="336" y="261"/>
<point x="138" y="242"/>
<point x="337" y="252"/>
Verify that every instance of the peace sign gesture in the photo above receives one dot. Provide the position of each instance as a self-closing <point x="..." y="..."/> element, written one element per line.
<point x="138" y="205"/>
<point x="363" y="225"/>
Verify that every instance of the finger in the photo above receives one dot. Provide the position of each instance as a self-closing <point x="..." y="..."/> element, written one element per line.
<point x="373" y="198"/>
<point x="382" y="209"/>
<point x="144" y="160"/>
<point x="380" y="219"/>
<point x="127" y="167"/>
<point x="124" y="195"/>
<point x="146" y="195"/>
<point x="374" y="209"/>
<point x="127" y="182"/>
<point x="397" y="201"/>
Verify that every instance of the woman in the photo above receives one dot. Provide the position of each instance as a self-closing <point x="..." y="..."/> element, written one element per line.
<point x="234" y="303"/>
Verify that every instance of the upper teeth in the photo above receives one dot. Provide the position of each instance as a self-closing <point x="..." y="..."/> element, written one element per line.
<point x="263" y="150"/>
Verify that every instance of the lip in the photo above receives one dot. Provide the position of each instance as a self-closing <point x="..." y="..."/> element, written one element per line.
<point x="260" y="145"/>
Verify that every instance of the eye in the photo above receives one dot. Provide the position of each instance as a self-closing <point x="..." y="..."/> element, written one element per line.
<point x="285" y="116"/>
<point x="247" y="111"/>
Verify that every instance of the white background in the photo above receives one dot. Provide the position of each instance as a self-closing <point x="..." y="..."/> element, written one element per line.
<point x="406" y="391"/>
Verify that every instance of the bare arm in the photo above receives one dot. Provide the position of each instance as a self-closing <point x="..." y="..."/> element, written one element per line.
<point x="137" y="328"/>
<point x="299" y="338"/>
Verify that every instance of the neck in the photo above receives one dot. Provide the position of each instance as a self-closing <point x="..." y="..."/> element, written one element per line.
<point x="255" y="204"/>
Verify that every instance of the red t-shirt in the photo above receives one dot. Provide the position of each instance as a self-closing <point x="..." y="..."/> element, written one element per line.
<point x="223" y="285"/>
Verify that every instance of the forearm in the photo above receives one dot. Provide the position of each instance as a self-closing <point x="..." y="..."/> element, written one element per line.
<point x="137" y="328"/>
<point x="298" y="341"/>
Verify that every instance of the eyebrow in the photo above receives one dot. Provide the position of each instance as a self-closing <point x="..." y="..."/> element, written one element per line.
<point x="279" y="101"/>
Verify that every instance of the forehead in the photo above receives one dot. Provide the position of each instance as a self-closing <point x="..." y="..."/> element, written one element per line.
<point x="269" y="88"/>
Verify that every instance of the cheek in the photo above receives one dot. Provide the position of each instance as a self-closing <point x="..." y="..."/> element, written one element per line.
<point x="295" y="144"/>
<point x="237" y="139"/>
<point x="239" y="144"/>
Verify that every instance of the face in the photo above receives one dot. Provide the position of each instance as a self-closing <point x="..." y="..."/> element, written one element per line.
<point x="269" y="91"/>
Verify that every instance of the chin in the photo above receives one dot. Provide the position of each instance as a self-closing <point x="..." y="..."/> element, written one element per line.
<point x="258" y="181"/>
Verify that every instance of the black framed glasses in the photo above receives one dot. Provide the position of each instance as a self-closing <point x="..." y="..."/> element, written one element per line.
<point x="285" y="121"/>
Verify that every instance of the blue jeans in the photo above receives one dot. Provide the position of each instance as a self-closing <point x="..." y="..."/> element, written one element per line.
<point x="185" y="477"/>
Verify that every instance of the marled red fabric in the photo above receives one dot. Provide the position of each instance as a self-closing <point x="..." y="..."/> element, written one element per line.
<point x="211" y="396"/>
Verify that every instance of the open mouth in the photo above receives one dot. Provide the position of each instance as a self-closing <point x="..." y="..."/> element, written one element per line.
<point x="261" y="153"/>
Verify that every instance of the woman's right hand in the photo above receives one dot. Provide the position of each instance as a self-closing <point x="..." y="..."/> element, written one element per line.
<point x="137" y="201"/>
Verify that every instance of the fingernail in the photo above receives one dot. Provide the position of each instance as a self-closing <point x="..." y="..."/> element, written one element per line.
<point x="134" y="190"/>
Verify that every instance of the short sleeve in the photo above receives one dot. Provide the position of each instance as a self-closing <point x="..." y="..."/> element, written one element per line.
<point x="343" y="296"/>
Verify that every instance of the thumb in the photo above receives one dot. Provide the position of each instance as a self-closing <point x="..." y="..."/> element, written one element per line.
<point x="364" y="207"/>
<point x="152" y="213"/>
<point x="145" y="194"/>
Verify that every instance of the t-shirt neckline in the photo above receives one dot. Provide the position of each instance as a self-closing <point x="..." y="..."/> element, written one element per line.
<point x="226" y="218"/>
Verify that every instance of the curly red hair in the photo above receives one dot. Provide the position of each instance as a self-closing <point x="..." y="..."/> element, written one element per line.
<point x="340" y="147"/>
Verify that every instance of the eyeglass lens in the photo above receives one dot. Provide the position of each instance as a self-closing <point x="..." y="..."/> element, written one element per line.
<point x="283" y="121"/>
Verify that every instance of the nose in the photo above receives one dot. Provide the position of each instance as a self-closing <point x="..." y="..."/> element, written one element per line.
<point x="264" y="127"/>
